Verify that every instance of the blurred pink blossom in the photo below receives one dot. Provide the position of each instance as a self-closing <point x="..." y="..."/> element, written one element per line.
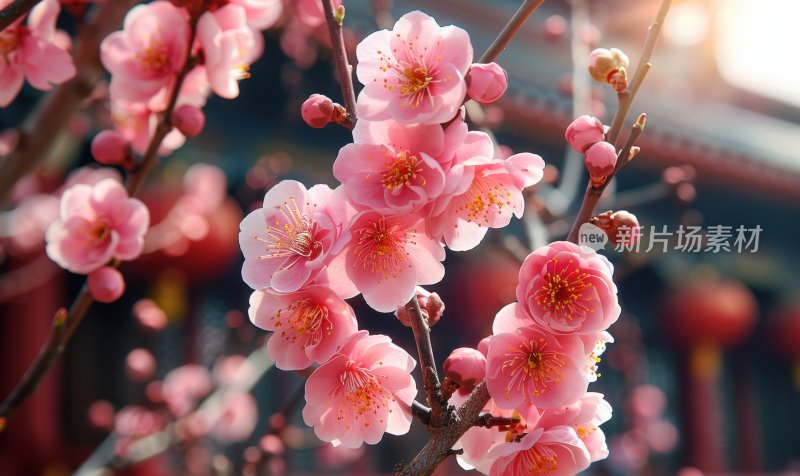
<point x="97" y="223"/>
<point x="37" y="52"/>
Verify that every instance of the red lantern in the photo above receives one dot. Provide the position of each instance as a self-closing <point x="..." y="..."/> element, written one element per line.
<point x="721" y="312"/>
<point x="200" y="260"/>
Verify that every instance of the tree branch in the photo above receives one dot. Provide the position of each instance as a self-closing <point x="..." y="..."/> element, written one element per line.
<point x="344" y="71"/>
<point x="512" y="27"/>
<point x="593" y="193"/>
<point x="625" y="98"/>
<point x="65" y="323"/>
<point x="15" y="10"/>
<point x="439" y="447"/>
<point x="43" y="126"/>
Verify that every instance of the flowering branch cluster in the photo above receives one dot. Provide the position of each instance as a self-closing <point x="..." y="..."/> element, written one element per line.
<point x="163" y="65"/>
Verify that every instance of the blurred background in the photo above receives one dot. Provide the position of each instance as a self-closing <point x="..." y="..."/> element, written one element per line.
<point x="705" y="370"/>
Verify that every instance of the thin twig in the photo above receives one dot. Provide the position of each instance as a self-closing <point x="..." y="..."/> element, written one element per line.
<point x="512" y="27"/>
<point x="421" y="412"/>
<point x="625" y="98"/>
<point x="593" y="193"/>
<point x="105" y="455"/>
<point x="51" y="115"/>
<point x="343" y="68"/>
<point x="65" y="323"/>
<point x="427" y="363"/>
<point x="15" y="10"/>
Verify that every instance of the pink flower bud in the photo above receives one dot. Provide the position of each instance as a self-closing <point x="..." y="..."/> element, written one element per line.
<point x="486" y="83"/>
<point x="109" y="147"/>
<point x="584" y="132"/>
<point x="317" y="110"/>
<point x="430" y="304"/>
<point x="600" y="159"/>
<point x="608" y="66"/>
<point x="189" y="119"/>
<point x="106" y="284"/>
<point x="465" y="366"/>
<point x="621" y="227"/>
<point x="140" y="365"/>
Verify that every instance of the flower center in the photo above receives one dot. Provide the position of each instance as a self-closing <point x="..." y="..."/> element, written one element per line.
<point x="534" y="368"/>
<point x="100" y="231"/>
<point x="539" y="460"/>
<point x="9" y="39"/>
<point x="401" y="170"/>
<point x="240" y="72"/>
<point x="297" y="237"/>
<point x="303" y="319"/>
<point x="483" y="199"/>
<point x="362" y="391"/>
<point x="381" y="247"/>
<point x="154" y="57"/>
<point x="416" y="81"/>
<point x="562" y="291"/>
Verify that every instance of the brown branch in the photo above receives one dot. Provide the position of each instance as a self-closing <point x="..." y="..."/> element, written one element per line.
<point x="439" y="447"/>
<point x="16" y="10"/>
<point x="487" y="420"/>
<point x="512" y="27"/>
<point x="593" y="193"/>
<point x="421" y="412"/>
<point x="344" y="71"/>
<point x="65" y="323"/>
<point x="625" y="98"/>
<point x="43" y="126"/>
<point x="427" y="363"/>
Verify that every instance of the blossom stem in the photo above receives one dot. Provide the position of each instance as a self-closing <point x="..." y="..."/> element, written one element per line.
<point x="625" y="98"/>
<point x="427" y="363"/>
<point x="15" y="10"/>
<point x="343" y="68"/>
<point x="593" y="193"/>
<point x="65" y="322"/>
<point x="50" y="116"/>
<point x="512" y="27"/>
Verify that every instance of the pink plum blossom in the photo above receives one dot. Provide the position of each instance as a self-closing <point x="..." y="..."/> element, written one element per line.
<point x="311" y="12"/>
<point x="229" y="46"/>
<point x="184" y="387"/>
<point x="235" y="418"/>
<point x="261" y="14"/>
<point x="585" y="416"/>
<point x="288" y="241"/>
<point x="594" y="346"/>
<point x="145" y="57"/>
<point x="414" y="73"/>
<point x="388" y="256"/>
<point x="396" y="168"/>
<point x="37" y="52"/>
<point x="555" y="452"/>
<point x="482" y="192"/>
<point x="568" y="289"/>
<point x="530" y="366"/>
<point x="363" y="391"/>
<point x="97" y="223"/>
<point x="478" y="441"/>
<point x="308" y="325"/>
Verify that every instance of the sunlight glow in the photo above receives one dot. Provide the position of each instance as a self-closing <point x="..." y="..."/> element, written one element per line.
<point x="756" y="46"/>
